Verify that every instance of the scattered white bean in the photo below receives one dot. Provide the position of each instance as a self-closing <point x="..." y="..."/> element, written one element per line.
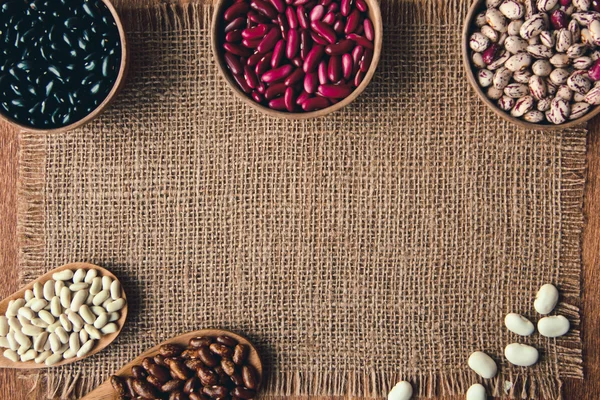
<point x="29" y="355"/>
<point x="74" y="342"/>
<point x="70" y="353"/>
<point x="101" y="297"/>
<point x="101" y="321"/>
<point x="55" y="307"/>
<point x="554" y="326"/>
<point x="483" y="365"/>
<point x="46" y="317"/>
<point x="38" y="304"/>
<point x="78" y="300"/>
<point x="66" y="324"/>
<point x="402" y="391"/>
<point x="26" y="312"/>
<point x="83" y="336"/>
<point x="113" y="316"/>
<point x="40" y="341"/>
<point x="78" y="286"/>
<point x="54" y="342"/>
<point x="106" y="282"/>
<point x="58" y="285"/>
<point x="521" y="354"/>
<point x="518" y="324"/>
<point x="546" y="299"/>
<point x="86" y="314"/>
<point x="31" y="330"/>
<point x="22" y="339"/>
<point x="62" y="335"/>
<point x="14" y="307"/>
<point x="65" y="297"/>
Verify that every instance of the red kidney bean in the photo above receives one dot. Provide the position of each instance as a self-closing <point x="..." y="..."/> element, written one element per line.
<point x="317" y="13"/>
<point x="333" y="7"/>
<point x="352" y="21"/>
<point x="289" y="2"/>
<point x="275" y="90"/>
<point x="312" y="59"/>
<point x="269" y="41"/>
<point x="251" y="44"/>
<point x="239" y="78"/>
<point x="254" y="59"/>
<point x="346" y="7"/>
<point x="325" y="3"/>
<point x="322" y="72"/>
<point x="302" y="18"/>
<point x="264" y="8"/>
<point x="347" y="66"/>
<point x="264" y="64"/>
<point x="305" y="44"/>
<point x="361" y="5"/>
<point x="318" y="39"/>
<point x="233" y="63"/>
<point x="358" y="78"/>
<point x="360" y="40"/>
<point x="235" y="10"/>
<point x="293" y="43"/>
<point x="237" y="49"/>
<point x="233" y="36"/>
<point x="311" y="82"/>
<point x="278" y="53"/>
<point x="360" y="30"/>
<point x="334" y="68"/>
<point x="277" y="74"/>
<point x="250" y="76"/>
<point x="297" y="61"/>
<point x="366" y="60"/>
<point x="284" y="27"/>
<point x="357" y="54"/>
<point x="262" y="88"/>
<point x="315" y="103"/>
<point x="289" y="99"/>
<point x="237" y="23"/>
<point x="302" y="97"/>
<point x="341" y="47"/>
<point x="277" y="104"/>
<point x="329" y="18"/>
<point x="294" y="77"/>
<point x="335" y="91"/>
<point x="255" y="32"/>
<point x="301" y="2"/>
<point x="257" y="97"/>
<point x="338" y="26"/>
<point x="324" y="30"/>
<point x="257" y="18"/>
<point x="369" y="29"/>
<point x="290" y="13"/>
<point x="279" y="5"/>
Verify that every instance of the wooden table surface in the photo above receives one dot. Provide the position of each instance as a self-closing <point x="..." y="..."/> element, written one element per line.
<point x="14" y="388"/>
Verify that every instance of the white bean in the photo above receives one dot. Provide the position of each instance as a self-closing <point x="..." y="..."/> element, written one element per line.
<point x="115" y="290"/>
<point x="79" y="275"/>
<point x="38" y="304"/>
<point x="401" y="391"/>
<point x="518" y="324"/>
<point x="42" y="357"/>
<point x="40" y="323"/>
<point x="29" y="355"/>
<point x="554" y="326"/>
<point x="14" y="323"/>
<point x="40" y="341"/>
<point x="110" y="328"/>
<point x="65" y="297"/>
<point x="69" y="354"/>
<point x="66" y="324"/>
<point x="483" y="365"/>
<point x="26" y="312"/>
<point x="78" y="286"/>
<point x="58" y="285"/>
<point x="11" y="355"/>
<point x="97" y="310"/>
<point x="546" y="299"/>
<point x="53" y="359"/>
<point x="38" y="290"/>
<point x="521" y="354"/>
<point x="83" y="336"/>
<point x="90" y="275"/>
<point x="55" y="307"/>
<point x="54" y="342"/>
<point x="78" y="300"/>
<point x="86" y="314"/>
<point x="28" y="295"/>
<point x="96" y="286"/>
<point x="49" y="290"/>
<point x="113" y="316"/>
<point x="64" y="275"/>
<point x="101" y="297"/>
<point x="4" y="328"/>
<point x="74" y="342"/>
<point x="93" y="332"/>
<point x="101" y="321"/>
<point x="13" y="345"/>
<point x="53" y="327"/>
<point x="76" y="321"/>
<point x="106" y="282"/>
<point x="62" y="335"/>
<point x="4" y="343"/>
<point x="31" y="330"/>
<point x="14" y="306"/>
<point x="22" y="339"/>
<point x="86" y="348"/>
<point x="46" y="317"/>
<point x="115" y="305"/>
<point x="23" y="320"/>
<point x="23" y="349"/>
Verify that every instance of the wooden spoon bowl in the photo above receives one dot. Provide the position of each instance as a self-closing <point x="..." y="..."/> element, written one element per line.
<point x="105" y="391"/>
<point x="100" y="344"/>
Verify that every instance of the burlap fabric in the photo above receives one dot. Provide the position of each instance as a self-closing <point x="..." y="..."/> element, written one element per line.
<point x="385" y="241"/>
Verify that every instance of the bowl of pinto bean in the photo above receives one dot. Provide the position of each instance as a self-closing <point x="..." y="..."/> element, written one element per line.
<point x="297" y="59"/>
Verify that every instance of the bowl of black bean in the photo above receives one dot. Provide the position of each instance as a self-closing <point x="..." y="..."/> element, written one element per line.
<point x="61" y="62"/>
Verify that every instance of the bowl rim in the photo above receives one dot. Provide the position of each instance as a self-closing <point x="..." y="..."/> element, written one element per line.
<point x="117" y="86"/>
<point x="374" y="14"/>
<point x="467" y="27"/>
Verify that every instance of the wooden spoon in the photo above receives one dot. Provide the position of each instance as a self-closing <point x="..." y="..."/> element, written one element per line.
<point x="100" y="344"/>
<point x="105" y="391"/>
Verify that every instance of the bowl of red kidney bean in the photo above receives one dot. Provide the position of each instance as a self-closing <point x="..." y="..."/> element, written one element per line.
<point x="62" y="62"/>
<point x="297" y="59"/>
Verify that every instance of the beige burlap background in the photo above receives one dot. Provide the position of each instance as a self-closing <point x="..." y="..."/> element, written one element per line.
<point x="382" y="242"/>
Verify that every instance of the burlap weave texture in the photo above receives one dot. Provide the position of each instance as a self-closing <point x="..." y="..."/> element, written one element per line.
<point x="385" y="241"/>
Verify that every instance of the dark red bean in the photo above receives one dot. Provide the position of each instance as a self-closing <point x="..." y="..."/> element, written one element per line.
<point x="315" y="103"/>
<point x="335" y="91"/>
<point x="234" y="36"/>
<point x="341" y="47"/>
<point x="257" y="18"/>
<point x="301" y="2"/>
<point x="256" y="32"/>
<point x="278" y="53"/>
<point x="254" y="59"/>
<point x="269" y="41"/>
<point x="318" y="39"/>
<point x="358" y="78"/>
<point x="262" y="88"/>
<point x="302" y="18"/>
<point x="366" y="60"/>
<point x="239" y="78"/>
<point x="264" y="8"/>
<point x="317" y="13"/>
<point x="352" y="21"/>
<point x="324" y="30"/>
<point x="233" y="63"/>
<point x="334" y="68"/>
<point x="250" y="76"/>
<point x="277" y="104"/>
<point x="237" y="49"/>
<point x="264" y="64"/>
<point x="325" y="3"/>
<point x="312" y="59"/>
<point x="297" y="61"/>
<point x="294" y="77"/>
<point x="302" y="97"/>
<point x="237" y="23"/>
<point x="279" y="5"/>
<point x="360" y="40"/>
<point x="347" y="66"/>
<point x="293" y="43"/>
<point x="251" y="44"/>
<point x="290" y="13"/>
<point x="360" y="30"/>
<point x="305" y="44"/>
<point x="322" y="72"/>
<point x="329" y="18"/>
<point x="369" y="29"/>
<point x="346" y="7"/>
<point x="277" y="74"/>
<point x="333" y="7"/>
<point x="361" y="5"/>
<point x="236" y="10"/>
<point x="289" y="99"/>
<point x="311" y="82"/>
<point x="338" y="26"/>
<point x="284" y="27"/>
<point x="289" y="2"/>
<point x="275" y="90"/>
<point x="257" y="97"/>
<point x="357" y="54"/>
